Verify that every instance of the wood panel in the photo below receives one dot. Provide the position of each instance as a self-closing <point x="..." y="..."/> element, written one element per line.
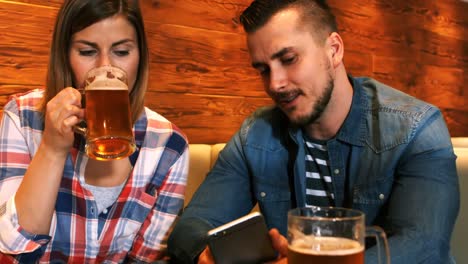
<point x="200" y="61"/>
<point x="209" y="115"/>
<point x="200" y="74"/>
<point x="205" y="14"/>
<point x="24" y="44"/>
<point x="419" y="47"/>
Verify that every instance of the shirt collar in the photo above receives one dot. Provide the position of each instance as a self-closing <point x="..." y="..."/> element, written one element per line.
<point x="139" y="130"/>
<point x="353" y="130"/>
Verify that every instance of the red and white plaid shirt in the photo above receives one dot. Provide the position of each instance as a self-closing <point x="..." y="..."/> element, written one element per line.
<point x="135" y="227"/>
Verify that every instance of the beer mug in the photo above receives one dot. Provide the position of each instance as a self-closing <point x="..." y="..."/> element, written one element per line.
<point x="108" y="129"/>
<point x="331" y="235"/>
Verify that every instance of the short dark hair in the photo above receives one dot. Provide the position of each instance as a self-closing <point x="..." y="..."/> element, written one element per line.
<point x="76" y="15"/>
<point x="315" y="13"/>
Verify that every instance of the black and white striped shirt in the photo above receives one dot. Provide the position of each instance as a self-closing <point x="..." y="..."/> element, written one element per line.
<point x="319" y="188"/>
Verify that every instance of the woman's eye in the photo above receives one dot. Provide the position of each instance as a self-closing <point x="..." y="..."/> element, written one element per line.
<point x="87" y="52"/>
<point x="121" y="53"/>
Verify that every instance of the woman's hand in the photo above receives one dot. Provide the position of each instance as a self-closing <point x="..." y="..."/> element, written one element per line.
<point x="62" y="113"/>
<point x="43" y="176"/>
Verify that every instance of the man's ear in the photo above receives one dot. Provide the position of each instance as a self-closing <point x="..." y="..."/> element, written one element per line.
<point x="336" y="48"/>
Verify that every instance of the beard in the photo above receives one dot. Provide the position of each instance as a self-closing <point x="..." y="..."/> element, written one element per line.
<point x="318" y="108"/>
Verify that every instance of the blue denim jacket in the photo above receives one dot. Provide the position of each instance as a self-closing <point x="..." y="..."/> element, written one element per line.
<point x="392" y="159"/>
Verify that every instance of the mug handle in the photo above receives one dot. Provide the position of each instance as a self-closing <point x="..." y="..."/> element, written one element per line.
<point x="382" y="244"/>
<point x="81" y="127"/>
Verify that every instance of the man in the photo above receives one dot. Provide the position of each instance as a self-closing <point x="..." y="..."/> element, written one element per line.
<point x="331" y="140"/>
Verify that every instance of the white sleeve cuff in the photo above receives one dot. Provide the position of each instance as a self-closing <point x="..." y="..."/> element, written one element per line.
<point x="13" y="238"/>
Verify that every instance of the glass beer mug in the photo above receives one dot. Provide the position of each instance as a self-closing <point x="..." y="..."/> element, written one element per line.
<point x="108" y="130"/>
<point x="331" y="235"/>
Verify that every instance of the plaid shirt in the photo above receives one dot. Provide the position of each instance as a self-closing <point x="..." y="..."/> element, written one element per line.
<point x="134" y="228"/>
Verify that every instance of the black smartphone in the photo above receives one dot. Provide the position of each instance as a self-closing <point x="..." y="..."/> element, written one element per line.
<point x="244" y="240"/>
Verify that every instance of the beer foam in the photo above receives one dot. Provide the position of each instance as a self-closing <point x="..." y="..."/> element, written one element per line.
<point x="333" y="246"/>
<point x="102" y="83"/>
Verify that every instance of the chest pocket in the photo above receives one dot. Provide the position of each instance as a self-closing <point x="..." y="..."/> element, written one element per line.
<point x="135" y="213"/>
<point x="274" y="202"/>
<point x="369" y="198"/>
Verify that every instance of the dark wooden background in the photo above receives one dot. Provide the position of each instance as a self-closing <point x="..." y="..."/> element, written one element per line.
<point x="200" y="74"/>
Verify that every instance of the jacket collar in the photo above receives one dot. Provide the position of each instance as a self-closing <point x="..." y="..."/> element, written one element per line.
<point x="353" y="131"/>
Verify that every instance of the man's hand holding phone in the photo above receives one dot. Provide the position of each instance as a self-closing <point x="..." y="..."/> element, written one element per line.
<point x="279" y="243"/>
<point x="245" y="240"/>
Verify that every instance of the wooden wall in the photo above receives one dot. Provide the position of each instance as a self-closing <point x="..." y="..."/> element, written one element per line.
<point x="200" y="74"/>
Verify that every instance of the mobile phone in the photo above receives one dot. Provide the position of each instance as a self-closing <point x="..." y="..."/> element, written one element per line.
<point x="244" y="240"/>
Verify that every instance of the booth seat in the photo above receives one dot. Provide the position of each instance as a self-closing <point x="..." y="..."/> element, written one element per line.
<point x="203" y="156"/>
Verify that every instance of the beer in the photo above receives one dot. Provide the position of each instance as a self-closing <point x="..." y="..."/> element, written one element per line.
<point x="109" y="127"/>
<point x="325" y="250"/>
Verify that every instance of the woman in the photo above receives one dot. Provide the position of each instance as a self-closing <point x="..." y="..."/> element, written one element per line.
<point x="56" y="204"/>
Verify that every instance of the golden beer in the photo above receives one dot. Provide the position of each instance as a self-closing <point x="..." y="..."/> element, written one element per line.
<point x="109" y="129"/>
<point x="325" y="250"/>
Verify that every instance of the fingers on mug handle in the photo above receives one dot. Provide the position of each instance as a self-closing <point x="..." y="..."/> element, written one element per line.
<point x="83" y="97"/>
<point x="80" y="128"/>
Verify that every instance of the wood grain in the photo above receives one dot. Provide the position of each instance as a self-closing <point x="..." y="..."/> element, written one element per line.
<point x="201" y="77"/>
<point x="214" y="15"/>
<point x="201" y="61"/>
<point x="215" y="115"/>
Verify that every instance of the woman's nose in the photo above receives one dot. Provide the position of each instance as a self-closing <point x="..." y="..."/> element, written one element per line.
<point x="104" y="60"/>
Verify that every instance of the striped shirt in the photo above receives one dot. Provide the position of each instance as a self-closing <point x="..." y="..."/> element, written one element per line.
<point x="319" y="188"/>
<point x="137" y="225"/>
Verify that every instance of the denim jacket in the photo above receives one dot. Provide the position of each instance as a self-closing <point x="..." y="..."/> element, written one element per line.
<point x="392" y="159"/>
